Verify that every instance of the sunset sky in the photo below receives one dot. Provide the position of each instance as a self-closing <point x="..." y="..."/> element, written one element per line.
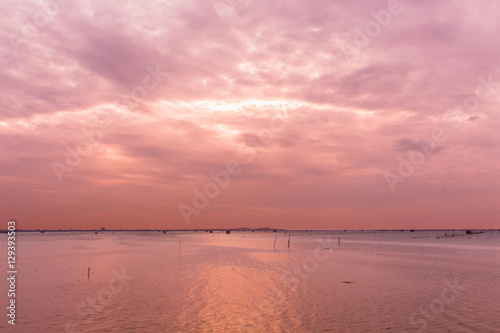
<point x="314" y="114"/>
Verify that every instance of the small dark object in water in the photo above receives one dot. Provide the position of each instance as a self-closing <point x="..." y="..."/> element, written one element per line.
<point x="210" y="231"/>
<point x="164" y="231"/>
<point x="88" y="273"/>
<point x="96" y="232"/>
<point x="468" y="232"/>
<point x="346" y="281"/>
<point x="228" y="232"/>
<point x="412" y="230"/>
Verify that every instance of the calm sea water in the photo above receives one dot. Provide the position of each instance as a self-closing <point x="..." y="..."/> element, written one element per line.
<point x="201" y="282"/>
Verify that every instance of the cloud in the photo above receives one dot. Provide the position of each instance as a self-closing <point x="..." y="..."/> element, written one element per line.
<point x="407" y="145"/>
<point x="230" y="68"/>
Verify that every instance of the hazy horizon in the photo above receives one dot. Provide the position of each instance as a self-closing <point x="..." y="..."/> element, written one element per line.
<point x="265" y="229"/>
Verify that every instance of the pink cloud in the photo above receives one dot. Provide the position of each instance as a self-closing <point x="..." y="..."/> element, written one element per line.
<point x="228" y="68"/>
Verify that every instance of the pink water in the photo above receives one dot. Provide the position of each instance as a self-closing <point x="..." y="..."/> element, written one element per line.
<point x="372" y="282"/>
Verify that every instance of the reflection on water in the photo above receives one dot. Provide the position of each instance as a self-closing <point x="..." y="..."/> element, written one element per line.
<point x="148" y="282"/>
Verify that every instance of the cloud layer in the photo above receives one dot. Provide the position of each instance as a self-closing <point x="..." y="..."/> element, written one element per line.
<point x="341" y="115"/>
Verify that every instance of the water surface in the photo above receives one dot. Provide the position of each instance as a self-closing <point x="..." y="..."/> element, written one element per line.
<point x="216" y="282"/>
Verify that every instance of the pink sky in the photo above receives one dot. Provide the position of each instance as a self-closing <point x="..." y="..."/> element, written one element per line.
<point x="317" y="114"/>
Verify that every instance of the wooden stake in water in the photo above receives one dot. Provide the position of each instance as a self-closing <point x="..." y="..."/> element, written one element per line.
<point x="88" y="273"/>
<point x="274" y="246"/>
<point x="288" y="240"/>
<point x="339" y="241"/>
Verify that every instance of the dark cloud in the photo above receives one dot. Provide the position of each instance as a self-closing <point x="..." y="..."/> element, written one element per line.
<point x="229" y="69"/>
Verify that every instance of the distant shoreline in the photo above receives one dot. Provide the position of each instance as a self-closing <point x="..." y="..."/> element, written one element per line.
<point x="243" y="229"/>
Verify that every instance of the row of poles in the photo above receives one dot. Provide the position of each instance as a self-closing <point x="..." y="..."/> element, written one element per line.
<point x="276" y="236"/>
